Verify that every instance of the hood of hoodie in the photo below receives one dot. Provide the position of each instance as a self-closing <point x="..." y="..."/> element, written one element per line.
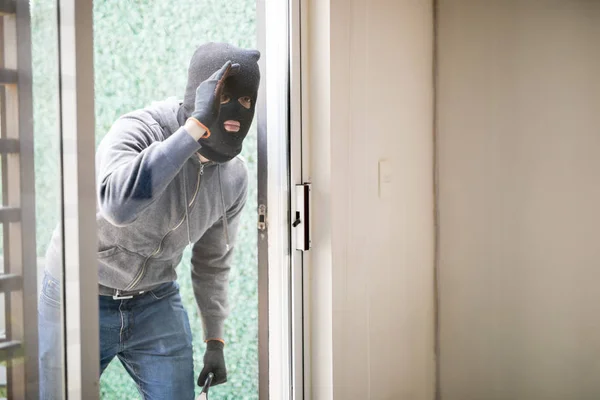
<point x="167" y="114"/>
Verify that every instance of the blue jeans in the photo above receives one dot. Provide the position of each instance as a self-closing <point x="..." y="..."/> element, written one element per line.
<point x="150" y="334"/>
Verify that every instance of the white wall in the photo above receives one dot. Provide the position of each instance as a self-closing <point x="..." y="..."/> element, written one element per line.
<point x="519" y="154"/>
<point x="370" y="98"/>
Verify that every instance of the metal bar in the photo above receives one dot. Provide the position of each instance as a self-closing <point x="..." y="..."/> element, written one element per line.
<point x="262" y="201"/>
<point x="16" y="380"/>
<point x="5" y="200"/>
<point x="299" y="302"/>
<point x="10" y="350"/>
<point x="78" y="192"/>
<point x="274" y="194"/>
<point x="7" y="7"/>
<point x="10" y="283"/>
<point x="10" y="214"/>
<point x="305" y="290"/>
<point x="9" y="146"/>
<point x="436" y="203"/>
<point x="8" y="76"/>
<point x="3" y="135"/>
<point x="26" y="300"/>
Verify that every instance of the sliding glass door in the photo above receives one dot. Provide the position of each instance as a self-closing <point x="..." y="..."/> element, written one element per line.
<point x="94" y="62"/>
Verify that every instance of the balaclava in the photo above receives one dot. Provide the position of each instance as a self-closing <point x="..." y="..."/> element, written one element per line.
<point x="223" y="145"/>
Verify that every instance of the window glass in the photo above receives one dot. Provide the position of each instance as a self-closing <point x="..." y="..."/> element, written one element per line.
<point x="48" y="188"/>
<point x="142" y="51"/>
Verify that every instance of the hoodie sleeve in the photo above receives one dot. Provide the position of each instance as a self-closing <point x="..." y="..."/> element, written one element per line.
<point x="134" y="165"/>
<point x="211" y="263"/>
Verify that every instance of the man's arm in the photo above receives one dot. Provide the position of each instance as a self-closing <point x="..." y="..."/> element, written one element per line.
<point x="135" y="166"/>
<point x="211" y="262"/>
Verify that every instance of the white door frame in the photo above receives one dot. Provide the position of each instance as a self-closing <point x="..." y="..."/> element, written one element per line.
<point x="276" y="20"/>
<point x="81" y="339"/>
<point x="276" y="355"/>
<point x="300" y="174"/>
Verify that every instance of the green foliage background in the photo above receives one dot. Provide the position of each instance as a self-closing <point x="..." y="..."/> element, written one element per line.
<point x="141" y="52"/>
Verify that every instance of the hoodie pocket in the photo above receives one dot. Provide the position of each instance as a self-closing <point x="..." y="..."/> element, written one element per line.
<point x="108" y="252"/>
<point x="118" y="266"/>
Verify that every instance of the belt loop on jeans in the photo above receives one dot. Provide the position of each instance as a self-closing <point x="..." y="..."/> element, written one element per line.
<point x="118" y="296"/>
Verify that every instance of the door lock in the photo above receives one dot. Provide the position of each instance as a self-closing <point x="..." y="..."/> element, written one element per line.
<point x="262" y="217"/>
<point x="301" y="222"/>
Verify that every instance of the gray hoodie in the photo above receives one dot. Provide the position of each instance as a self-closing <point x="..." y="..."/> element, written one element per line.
<point x="147" y="171"/>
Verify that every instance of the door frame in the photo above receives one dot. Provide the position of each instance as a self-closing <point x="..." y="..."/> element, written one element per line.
<point x="281" y="365"/>
<point x="78" y="200"/>
<point x="277" y="137"/>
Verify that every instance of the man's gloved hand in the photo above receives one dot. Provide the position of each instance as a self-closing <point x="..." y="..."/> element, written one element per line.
<point x="214" y="362"/>
<point x="208" y="96"/>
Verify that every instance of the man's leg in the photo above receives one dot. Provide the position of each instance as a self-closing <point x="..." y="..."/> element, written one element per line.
<point x="50" y="340"/>
<point x="51" y="344"/>
<point x="110" y="325"/>
<point x="157" y="345"/>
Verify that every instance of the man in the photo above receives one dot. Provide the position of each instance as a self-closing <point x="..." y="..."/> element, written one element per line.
<point x="167" y="176"/>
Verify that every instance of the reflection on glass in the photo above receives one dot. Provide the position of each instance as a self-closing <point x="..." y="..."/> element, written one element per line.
<point x="2" y="317"/>
<point x="46" y="114"/>
<point x="142" y="53"/>
<point x="1" y="169"/>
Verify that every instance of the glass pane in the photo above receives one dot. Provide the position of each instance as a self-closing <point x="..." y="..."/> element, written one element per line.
<point x="142" y="53"/>
<point x="2" y="228"/>
<point x="48" y="182"/>
<point x="2" y="317"/>
<point x="1" y="169"/>
<point x="2" y="249"/>
<point x="2" y="178"/>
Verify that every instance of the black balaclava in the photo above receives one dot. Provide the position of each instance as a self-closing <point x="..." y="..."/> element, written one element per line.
<point x="223" y="145"/>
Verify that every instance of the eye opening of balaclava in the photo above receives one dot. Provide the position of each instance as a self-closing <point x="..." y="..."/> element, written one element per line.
<point x="225" y="141"/>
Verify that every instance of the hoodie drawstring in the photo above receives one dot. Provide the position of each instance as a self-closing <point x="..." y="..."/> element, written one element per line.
<point x="223" y="208"/>
<point x="225" y="222"/>
<point x="185" y="204"/>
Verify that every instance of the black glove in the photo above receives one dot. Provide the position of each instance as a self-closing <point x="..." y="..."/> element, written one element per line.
<point x="214" y="362"/>
<point x="208" y="96"/>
